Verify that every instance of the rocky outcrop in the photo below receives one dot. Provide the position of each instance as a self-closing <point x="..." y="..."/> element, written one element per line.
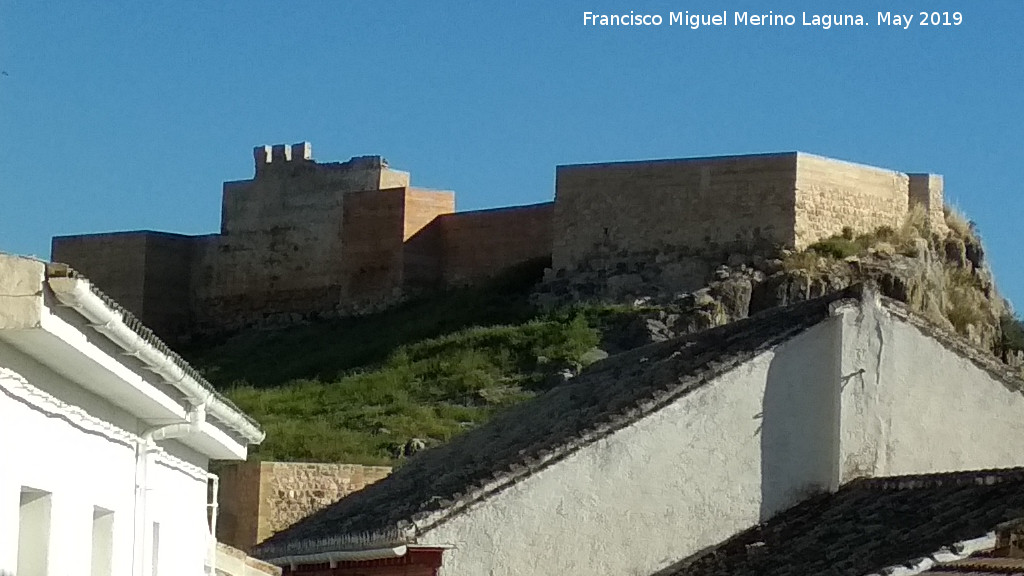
<point x="945" y="279"/>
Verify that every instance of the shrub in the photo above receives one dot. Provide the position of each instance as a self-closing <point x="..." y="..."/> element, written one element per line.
<point x="806" y="260"/>
<point x="915" y="224"/>
<point x="1013" y="333"/>
<point x="837" y="247"/>
<point x="965" y="304"/>
<point x="957" y="222"/>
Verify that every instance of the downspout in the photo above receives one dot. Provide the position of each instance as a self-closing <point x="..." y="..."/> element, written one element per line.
<point x="213" y="508"/>
<point x="76" y="293"/>
<point x="146" y="444"/>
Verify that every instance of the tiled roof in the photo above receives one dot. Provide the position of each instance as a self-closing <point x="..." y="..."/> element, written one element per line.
<point x="869" y="526"/>
<point x="439" y="483"/>
<point x="135" y="325"/>
<point x="979" y="566"/>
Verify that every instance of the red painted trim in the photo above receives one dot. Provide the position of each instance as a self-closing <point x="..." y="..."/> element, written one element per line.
<point x="416" y="562"/>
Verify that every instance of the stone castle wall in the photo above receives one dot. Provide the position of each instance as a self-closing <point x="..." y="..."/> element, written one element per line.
<point x="303" y="239"/>
<point x="702" y="203"/>
<point x="663" y="227"/>
<point x="831" y="195"/>
<point x="257" y="499"/>
<point x="477" y="245"/>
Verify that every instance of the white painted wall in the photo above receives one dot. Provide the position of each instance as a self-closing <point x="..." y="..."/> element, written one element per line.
<point x="911" y="406"/>
<point x="84" y="462"/>
<point x="752" y="442"/>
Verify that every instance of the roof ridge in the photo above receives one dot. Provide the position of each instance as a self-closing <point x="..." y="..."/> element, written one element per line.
<point x="984" y="477"/>
<point x="955" y="343"/>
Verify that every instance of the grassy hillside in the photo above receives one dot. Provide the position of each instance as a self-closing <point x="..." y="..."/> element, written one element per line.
<point x="362" y="390"/>
<point x="358" y="390"/>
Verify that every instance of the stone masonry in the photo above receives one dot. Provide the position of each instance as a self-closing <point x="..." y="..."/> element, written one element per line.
<point x="257" y="499"/>
<point x="302" y="239"/>
<point x="670" y="223"/>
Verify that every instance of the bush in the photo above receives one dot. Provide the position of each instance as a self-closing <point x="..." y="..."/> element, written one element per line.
<point x="1013" y="333"/>
<point x="958" y="223"/>
<point x="837" y="247"/>
<point x="965" y="303"/>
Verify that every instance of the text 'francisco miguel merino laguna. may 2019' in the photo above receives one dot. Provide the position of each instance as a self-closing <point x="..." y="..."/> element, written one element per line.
<point x="695" y="21"/>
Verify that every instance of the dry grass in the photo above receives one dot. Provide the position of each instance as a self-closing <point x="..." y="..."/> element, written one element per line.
<point x="966" y="305"/>
<point x="915" y="225"/>
<point x="806" y="260"/>
<point x="957" y="222"/>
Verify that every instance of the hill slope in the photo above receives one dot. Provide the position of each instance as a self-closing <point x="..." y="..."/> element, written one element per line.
<point x="373" y="389"/>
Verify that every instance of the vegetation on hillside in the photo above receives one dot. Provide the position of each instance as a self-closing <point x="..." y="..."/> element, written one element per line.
<point x="365" y="390"/>
<point x="1013" y="334"/>
<point x="359" y="390"/>
<point x="326" y="350"/>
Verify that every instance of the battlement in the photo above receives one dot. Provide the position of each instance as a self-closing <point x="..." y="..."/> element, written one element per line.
<point x="307" y="239"/>
<point x="273" y="156"/>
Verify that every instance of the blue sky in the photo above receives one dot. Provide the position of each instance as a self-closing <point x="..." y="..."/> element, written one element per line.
<point x="129" y="115"/>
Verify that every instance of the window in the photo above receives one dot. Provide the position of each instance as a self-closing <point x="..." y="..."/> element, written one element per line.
<point x="102" y="542"/>
<point x="33" y="532"/>
<point x="154" y="570"/>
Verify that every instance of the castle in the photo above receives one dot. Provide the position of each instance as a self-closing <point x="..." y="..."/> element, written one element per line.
<point x="305" y="239"/>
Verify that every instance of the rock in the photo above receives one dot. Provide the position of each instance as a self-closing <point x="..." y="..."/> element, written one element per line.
<point x="702" y="298"/>
<point x="734" y="296"/>
<point x="593" y="355"/>
<point x="736" y="260"/>
<point x="884" y="250"/>
<point x="974" y="252"/>
<point x="624" y="283"/>
<point x="413" y="446"/>
<point x="956" y="252"/>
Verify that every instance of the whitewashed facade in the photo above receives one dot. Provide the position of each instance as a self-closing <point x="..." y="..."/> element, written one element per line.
<point x="105" y="437"/>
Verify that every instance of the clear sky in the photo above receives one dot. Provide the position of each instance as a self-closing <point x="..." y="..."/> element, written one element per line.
<point x="129" y="115"/>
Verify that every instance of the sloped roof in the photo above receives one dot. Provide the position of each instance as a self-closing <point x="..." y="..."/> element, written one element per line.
<point x="439" y="483"/>
<point x="869" y="525"/>
<point x="980" y="566"/>
<point x="59" y="270"/>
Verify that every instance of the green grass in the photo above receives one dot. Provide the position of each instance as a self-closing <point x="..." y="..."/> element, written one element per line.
<point x="355" y="390"/>
<point x="326" y="350"/>
<point x="430" y="390"/>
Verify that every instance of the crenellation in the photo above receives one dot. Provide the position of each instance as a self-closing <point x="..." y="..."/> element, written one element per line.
<point x="304" y="240"/>
<point x="302" y="152"/>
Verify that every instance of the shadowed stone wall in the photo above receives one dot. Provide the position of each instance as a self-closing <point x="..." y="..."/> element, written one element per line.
<point x="257" y="499"/>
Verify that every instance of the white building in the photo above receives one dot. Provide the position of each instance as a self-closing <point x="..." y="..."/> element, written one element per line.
<point x="105" y="436"/>
<point x="709" y="455"/>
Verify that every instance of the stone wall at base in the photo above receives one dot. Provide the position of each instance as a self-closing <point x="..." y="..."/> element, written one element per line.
<point x="257" y="499"/>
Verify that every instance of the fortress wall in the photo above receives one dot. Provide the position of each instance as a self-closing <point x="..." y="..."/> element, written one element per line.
<point x="115" y="262"/>
<point x="927" y="190"/>
<point x="168" y="284"/>
<point x="421" y="254"/>
<point x="643" y="207"/>
<point x="479" y="245"/>
<point x="373" y="230"/>
<point x="146" y="272"/>
<point x="280" y="251"/>
<point x="831" y="194"/>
